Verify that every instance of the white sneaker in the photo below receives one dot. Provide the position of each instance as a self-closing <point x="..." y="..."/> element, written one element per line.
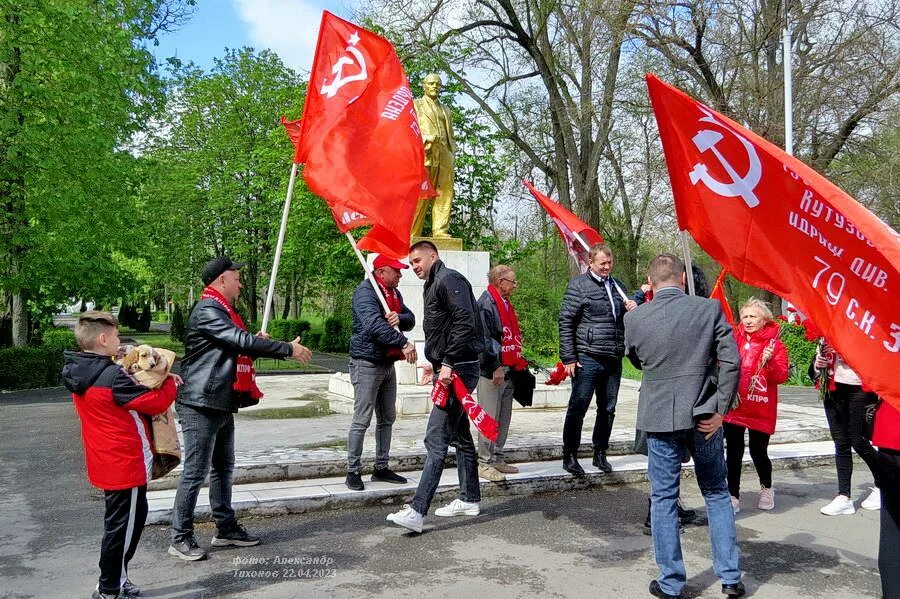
<point x="766" y="498"/>
<point x="458" y="507"/>
<point x="407" y="518"/>
<point x="839" y="506"/>
<point x="873" y="501"/>
<point x="735" y="505"/>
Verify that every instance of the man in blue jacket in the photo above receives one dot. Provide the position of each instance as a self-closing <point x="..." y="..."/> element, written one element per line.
<point x="375" y="344"/>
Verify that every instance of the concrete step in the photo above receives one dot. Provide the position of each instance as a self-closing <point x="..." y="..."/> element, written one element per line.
<point x="286" y="464"/>
<point x="329" y="492"/>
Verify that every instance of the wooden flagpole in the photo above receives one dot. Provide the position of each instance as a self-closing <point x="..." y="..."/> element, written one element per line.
<point x="688" y="267"/>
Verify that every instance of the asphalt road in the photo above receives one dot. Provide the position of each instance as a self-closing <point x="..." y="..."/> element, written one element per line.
<point x="574" y="544"/>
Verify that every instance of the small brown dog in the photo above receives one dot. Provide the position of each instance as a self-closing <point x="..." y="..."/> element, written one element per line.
<point x="149" y="365"/>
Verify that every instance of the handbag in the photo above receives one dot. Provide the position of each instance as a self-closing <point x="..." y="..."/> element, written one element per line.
<point x="523" y="383"/>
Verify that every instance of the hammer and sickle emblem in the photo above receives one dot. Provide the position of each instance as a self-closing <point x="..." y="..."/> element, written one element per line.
<point x="330" y="89"/>
<point x="738" y="186"/>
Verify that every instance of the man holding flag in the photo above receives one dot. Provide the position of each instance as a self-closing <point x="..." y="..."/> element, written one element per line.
<point x="591" y="346"/>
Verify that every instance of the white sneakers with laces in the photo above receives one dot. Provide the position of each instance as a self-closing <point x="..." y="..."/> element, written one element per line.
<point x="766" y="498"/>
<point x="458" y="507"/>
<point x="839" y="506"/>
<point x="873" y="501"/>
<point x="407" y="518"/>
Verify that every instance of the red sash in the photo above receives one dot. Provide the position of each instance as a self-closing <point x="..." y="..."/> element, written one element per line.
<point x="245" y="376"/>
<point x="483" y="421"/>
<point x="511" y="344"/>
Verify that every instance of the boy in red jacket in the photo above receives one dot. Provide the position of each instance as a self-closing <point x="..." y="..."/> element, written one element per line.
<point x="114" y="410"/>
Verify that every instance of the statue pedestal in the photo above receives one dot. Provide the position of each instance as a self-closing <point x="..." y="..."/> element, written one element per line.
<point x="442" y="243"/>
<point x="474" y="266"/>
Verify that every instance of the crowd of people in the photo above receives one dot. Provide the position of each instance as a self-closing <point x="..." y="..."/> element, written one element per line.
<point x="706" y="387"/>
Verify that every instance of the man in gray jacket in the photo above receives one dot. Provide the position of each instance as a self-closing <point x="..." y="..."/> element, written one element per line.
<point x="690" y="360"/>
<point x="218" y="379"/>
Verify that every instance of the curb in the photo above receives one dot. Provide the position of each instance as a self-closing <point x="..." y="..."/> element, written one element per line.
<point x="541" y="483"/>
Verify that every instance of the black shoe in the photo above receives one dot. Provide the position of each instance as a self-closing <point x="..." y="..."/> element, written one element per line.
<point x="354" y="481"/>
<point x="571" y="465"/>
<point x="734" y="590"/>
<point x="601" y="462"/>
<point x="685" y="515"/>
<point x="236" y="536"/>
<point x="98" y="595"/>
<point x="658" y="592"/>
<point x="385" y="475"/>
<point x="187" y="549"/>
<point x="129" y="589"/>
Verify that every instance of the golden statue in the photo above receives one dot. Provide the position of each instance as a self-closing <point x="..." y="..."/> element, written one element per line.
<point x="437" y="134"/>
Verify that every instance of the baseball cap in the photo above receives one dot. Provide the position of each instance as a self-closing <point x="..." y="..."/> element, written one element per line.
<point x="216" y="266"/>
<point x="382" y="260"/>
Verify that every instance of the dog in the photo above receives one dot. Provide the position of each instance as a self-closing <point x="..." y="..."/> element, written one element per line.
<point x="148" y="365"/>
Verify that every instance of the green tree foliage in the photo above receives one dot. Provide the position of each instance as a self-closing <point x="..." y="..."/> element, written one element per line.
<point x="76" y="82"/>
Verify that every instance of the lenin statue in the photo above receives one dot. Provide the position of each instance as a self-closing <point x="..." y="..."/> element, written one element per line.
<point x="437" y="134"/>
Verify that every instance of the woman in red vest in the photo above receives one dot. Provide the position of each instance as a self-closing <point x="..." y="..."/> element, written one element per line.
<point x="764" y="365"/>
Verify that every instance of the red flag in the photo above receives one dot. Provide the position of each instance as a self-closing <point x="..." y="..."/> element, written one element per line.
<point x="359" y="136"/>
<point x="775" y="223"/>
<point x="570" y="227"/>
<point x="718" y="293"/>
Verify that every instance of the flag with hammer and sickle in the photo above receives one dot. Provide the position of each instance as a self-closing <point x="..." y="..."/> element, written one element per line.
<point x="777" y="224"/>
<point x="359" y="137"/>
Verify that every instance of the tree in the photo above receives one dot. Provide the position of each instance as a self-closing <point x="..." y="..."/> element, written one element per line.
<point x="76" y="83"/>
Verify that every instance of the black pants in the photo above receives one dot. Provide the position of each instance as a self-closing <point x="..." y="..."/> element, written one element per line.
<point x="126" y="512"/>
<point x="889" y="545"/>
<point x="734" y="456"/>
<point x="597" y="375"/>
<point x="845" y="408"/>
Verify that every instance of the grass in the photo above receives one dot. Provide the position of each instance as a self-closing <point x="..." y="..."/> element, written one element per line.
<point x="314" y="409"/>
<point x="629" y="371"/>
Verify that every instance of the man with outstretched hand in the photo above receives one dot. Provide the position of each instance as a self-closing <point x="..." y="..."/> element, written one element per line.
<point x="218" y="379"/>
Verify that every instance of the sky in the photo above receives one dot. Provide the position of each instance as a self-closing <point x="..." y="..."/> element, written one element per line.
<point x="287" y="27"/>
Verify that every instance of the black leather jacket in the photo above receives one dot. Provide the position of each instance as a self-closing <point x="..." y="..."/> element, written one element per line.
<point x="453" y="331"/>
<point x="586" y="321"/>
<point x="371" y="335"/>
<point x="211" y="347"/>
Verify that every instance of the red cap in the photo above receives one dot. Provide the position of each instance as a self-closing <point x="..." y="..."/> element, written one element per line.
<point x="382" y="260"/>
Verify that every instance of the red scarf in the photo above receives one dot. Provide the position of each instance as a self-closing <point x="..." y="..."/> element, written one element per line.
<point x="394" y="305"/>
<point x="483" y="421"/>
<point x="245" y="377"/>
<point x="511" y="345"/>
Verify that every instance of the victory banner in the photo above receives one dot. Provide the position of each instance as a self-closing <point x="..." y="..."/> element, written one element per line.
<point x="775" y="223"/>
<point x="577" y="235"/>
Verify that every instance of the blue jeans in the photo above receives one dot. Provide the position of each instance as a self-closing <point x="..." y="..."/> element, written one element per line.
<point x="374" y="389"/>
<point x="448" y="426"/>
<point x="208" y="448"/>
<point x="599" y="375"/>
<point x="664" y="468"/>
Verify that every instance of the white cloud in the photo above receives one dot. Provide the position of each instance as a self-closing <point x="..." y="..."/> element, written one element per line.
<point x="287" y="27"/>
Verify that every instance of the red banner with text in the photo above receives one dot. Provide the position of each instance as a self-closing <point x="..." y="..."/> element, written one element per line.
<point x="775" y="223"/>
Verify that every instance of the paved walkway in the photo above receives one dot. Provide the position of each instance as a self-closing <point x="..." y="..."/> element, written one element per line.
<point x="298" y="464"/>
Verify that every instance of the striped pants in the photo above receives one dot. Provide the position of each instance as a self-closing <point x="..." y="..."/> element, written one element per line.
<point x="126" y="512"/>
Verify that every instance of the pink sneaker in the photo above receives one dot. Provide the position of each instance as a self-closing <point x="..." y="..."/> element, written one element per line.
<point x="766" y="498"/>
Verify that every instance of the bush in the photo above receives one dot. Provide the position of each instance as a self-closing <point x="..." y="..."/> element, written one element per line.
<point x="59" y="338"/>
<point x="30" y="367"/>
<point x="312" y="340"/>
<point x="800" y="352"/>
<point x="177" y="330"/>
<point x="288" y="329"/>
<point x="128" y="316"/>
<point x="336" y="337"/>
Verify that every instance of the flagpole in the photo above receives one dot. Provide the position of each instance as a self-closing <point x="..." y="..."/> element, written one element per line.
<point x="688" y="266"/>
<point x="584" y="244"/>
<point x="369" y="274"/>
<point x="788" y="86"/>
<point x="270" y="294"/>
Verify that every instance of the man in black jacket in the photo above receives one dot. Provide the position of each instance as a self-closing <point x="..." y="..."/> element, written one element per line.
<point x="453" y="340"/>
<point x="374" y="347"/>
<point x="218" y="379"/>
<point x="591" y="346"/>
